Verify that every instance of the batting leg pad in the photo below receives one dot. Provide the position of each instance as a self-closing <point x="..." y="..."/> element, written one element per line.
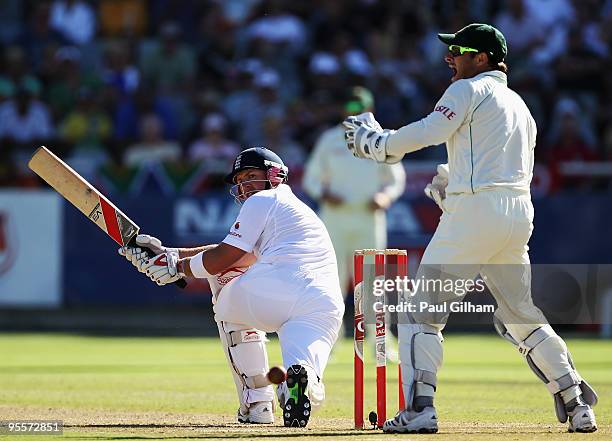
<point x="421" y="356"/>
<point x="245" y="350"/>
<point x="548" y="357"/>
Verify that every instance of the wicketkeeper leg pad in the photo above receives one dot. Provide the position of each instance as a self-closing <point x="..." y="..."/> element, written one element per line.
<point x="421" y="357"/>
<point x="245" y="350"/>
<point x="548" y="357"/>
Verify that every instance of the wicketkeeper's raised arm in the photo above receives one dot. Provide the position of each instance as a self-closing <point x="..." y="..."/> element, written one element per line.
<point x="365" y="140"/>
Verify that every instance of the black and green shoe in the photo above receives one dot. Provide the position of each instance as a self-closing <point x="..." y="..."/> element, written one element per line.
<point x="296" y="410"/>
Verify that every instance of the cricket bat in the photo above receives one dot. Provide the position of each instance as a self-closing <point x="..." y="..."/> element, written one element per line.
<point x="84" y="196"/>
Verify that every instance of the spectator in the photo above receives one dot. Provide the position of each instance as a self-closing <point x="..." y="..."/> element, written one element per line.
<point x="215" y="43"/>
<point x="238" y="11"/>
<point x="265" y="103"/>
<point x="277" y="137"/>
<point x="324" y="69"/>
<point x="10" y="24"/>
<point x="551" y="13"/>
<point x="522" y="30"/>
<point x="579" y="69"/>
<point x="87" y="127"/>
<point x="85" y="132"/>
<point x="122" y="17"/>
<point x="554" y="17"/>
<point x="120" y="72"/>
<point x="593" y="27"/>
<point x="239" y="83"/>
<point x="130" y="109"/>
<point x="569" y="142"/>
<point x="277" y="26"/>
<point x="168" y="65"/>
<point x="568" y="107"/>
<point x="66" y="81"/>
<point x="15" y="64"/>
<point x="152" y="146"/>
<point x="214" y="148"/>
<point x="39" y="39"/>
<point x="25" y="121"/>
<point x="75" y="20"/>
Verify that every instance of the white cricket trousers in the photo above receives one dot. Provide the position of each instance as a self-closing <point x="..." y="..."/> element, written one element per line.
<point x="484" y="233"/>
<point x="353" y="228"/>
<point x="487" y="233"/>
<point x="303" y="306"/>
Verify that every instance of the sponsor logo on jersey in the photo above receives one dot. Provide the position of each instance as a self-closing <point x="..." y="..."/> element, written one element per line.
<point x="232" y="233"/>
<point x="448" y="113"/>
<point x="237" y="226"/>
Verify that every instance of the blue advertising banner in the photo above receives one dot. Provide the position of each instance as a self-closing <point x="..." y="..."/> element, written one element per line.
<point x="568" y="229"/>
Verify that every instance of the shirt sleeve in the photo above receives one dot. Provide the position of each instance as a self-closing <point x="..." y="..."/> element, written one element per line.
<point x="448" y="115"/>
<point x="250" y="223"/>
<point x="393" y="180"/>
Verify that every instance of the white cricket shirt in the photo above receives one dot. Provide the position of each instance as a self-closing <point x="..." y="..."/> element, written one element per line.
<point x="277" y="227"/>
<point x="489" y="132"/>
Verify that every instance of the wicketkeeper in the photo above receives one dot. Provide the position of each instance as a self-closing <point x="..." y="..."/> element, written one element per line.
<point x="486" y="223"/>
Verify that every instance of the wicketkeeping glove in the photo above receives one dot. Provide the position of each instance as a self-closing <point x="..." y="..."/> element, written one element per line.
<point x="437" y="189"/>
<point x="365" y="138"/>
<point x="148" y="246"/>
<point x="162" y="269"/>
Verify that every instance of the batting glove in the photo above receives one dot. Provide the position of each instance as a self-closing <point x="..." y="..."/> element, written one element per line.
<point x="365" y="138"/>
<point x="163" y="268"/>
<point x="148" y="246"/>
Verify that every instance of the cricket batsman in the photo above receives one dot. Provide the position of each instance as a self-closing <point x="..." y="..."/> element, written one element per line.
<point x="487" y="220"/>
<point x="275" y="271"/>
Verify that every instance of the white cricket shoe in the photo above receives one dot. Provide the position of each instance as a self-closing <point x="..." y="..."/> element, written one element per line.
<point x="257" y="413"/>
<point x="582" y="419"/>
<point x="410" y="421"/>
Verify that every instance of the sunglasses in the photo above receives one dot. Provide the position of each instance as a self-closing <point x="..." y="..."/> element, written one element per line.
<point x="456" y="50"/>
<point x="354" y="107"/>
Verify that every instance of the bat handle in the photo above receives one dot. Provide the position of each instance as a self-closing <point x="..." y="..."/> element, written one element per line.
<point x="181" y="283"/>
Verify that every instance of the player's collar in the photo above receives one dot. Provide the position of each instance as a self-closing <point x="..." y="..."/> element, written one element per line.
<point x="497" y="74"/>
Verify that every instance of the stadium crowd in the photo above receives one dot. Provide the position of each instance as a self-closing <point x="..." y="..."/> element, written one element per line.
<point x="170" y="90"/>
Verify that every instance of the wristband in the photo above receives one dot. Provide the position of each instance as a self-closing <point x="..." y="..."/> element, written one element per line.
<point x="197" y="267"/>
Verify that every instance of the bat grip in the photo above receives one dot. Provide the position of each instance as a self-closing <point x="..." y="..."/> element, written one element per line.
<point x="181" y="283"/>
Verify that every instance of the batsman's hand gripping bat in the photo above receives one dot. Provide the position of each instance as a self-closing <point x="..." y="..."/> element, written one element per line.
<point x="87" y="199"/>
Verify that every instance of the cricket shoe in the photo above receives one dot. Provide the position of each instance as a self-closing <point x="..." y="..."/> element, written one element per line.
<point x="582" y="419"/>
<point x="410" y="421"/>
<point x="296" y="407"/>
<point x="257" y="413"/>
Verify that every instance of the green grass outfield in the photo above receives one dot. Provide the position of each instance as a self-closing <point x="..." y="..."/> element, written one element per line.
<point x="180" y="388"/>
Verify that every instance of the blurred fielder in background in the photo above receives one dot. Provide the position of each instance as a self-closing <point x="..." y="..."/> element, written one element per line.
<point x="353" y="195"/>
<point x="274" y="272"/>
<point x="485" y="226"/>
